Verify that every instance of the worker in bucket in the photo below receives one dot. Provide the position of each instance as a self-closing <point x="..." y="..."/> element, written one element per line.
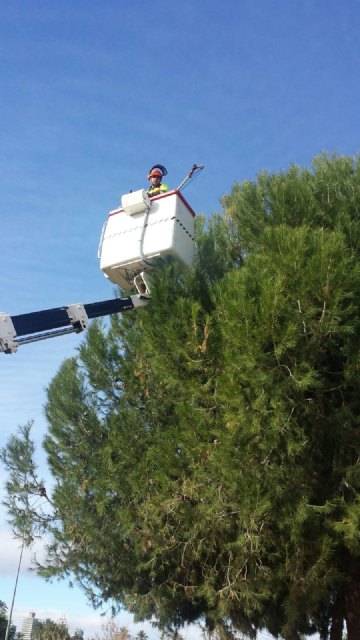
<point x="156" y="174"/>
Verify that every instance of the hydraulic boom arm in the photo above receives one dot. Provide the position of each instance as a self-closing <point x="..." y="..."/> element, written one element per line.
<point x="49" y="323"/>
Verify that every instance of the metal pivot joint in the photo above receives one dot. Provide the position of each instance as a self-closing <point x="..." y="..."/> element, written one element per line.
<point x="8" y="344"/>
<point x="78" y="317"/>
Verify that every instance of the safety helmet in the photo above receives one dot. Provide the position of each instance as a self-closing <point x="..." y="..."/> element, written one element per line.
<point x="157" y="170"/>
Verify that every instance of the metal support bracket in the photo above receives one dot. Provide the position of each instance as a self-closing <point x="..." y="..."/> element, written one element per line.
<point x="140" y="301"/>
<point x="142" y="284"/>
<point x="78" y="316"/>
<point x="8" y="344"/>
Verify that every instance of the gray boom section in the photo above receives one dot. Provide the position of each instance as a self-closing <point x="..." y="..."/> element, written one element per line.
<point x="49" y="323"/>
<point x="58" y="317"/>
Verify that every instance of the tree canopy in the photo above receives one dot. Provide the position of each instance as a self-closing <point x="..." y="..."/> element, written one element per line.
<point x="50" y="630"/>
<point x="12" y="635"/>
<point x="205" y="450"/>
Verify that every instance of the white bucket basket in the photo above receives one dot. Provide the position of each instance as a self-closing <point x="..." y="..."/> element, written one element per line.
<point x="145" y="232"/>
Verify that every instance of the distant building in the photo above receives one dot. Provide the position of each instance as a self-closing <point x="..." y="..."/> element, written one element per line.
<point x="28" y="626"/>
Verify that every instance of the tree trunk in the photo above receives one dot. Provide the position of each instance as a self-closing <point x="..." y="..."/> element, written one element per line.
<point x="353" y="600"/>
<point x="337" y="620"/>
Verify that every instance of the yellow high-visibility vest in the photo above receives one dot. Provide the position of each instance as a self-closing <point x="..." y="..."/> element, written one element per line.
<point x="154" y="191"/>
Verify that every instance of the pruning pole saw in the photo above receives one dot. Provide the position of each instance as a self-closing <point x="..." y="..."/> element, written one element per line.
<point x="195" y="169"/>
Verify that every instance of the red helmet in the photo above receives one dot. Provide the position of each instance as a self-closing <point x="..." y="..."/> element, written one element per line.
<point x="157" y="170"/>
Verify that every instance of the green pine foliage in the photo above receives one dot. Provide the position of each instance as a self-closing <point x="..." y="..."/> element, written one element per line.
<point x="205" y="449"/>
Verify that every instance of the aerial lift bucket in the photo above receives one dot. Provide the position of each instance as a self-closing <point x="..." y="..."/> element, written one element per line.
<point x="143" y="233"/>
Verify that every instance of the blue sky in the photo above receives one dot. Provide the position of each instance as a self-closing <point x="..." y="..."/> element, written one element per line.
<point x="92" y="95"/>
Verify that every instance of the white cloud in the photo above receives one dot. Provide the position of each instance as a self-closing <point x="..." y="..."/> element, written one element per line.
<point x="10" y="550"/>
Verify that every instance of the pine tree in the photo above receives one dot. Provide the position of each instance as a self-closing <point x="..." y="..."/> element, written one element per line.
<point x="205" y="449"/>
